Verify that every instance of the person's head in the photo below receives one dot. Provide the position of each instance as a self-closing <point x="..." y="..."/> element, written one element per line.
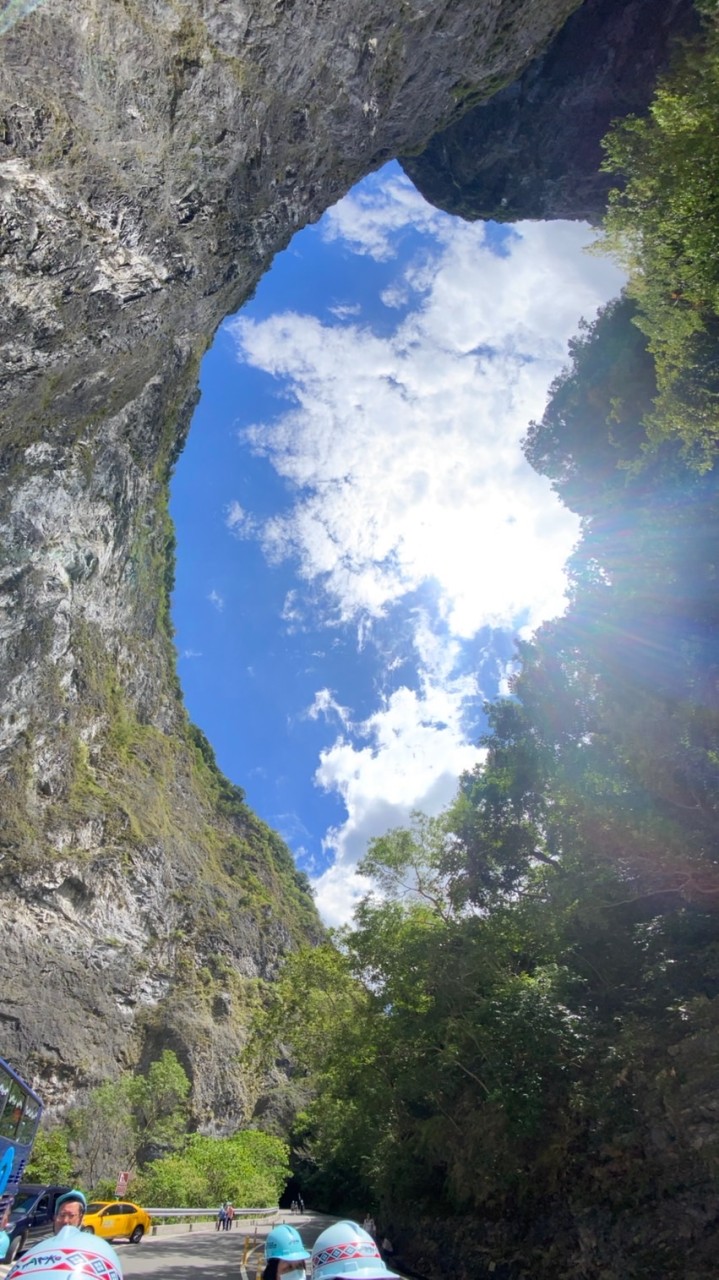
<point x="345" y="1251"/>
<point x="69" y="1210"/>
<point x="285" y="1254"/>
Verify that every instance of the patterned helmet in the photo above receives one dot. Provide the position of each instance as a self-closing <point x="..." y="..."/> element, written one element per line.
<point x="345" y="1249"/>
<point x="70" y="1255"/>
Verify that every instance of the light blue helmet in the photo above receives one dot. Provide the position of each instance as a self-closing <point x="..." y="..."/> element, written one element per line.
<point x="284" y="1242"/>
<point x="347" y="1250"/>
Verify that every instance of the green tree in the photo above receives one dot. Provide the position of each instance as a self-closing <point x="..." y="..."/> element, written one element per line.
<point x="159" y="1101"/>
<point x="663" y="227"/>
<point x="101" y="1132"/>
<point x="250" y="1169"/>
<point x="51" y="1160"/>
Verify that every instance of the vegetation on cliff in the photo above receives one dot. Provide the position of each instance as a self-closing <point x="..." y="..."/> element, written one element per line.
<point x="664" y="227"/>
<point x="143" y="1122"/>
<point x="514" y="1047"/>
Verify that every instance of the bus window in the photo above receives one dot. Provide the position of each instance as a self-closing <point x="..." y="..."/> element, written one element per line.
<point x="5" y="1083"/>
<point x="29" y="1122"/>
<point x="12" y="1115"/>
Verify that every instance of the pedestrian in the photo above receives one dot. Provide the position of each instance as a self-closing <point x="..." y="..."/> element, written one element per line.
<point x="369" y="1225"/>
<point x="300" y="1204"/>
<point x="285" y="1254"/>
<point x="345" y="1251"/>
<point x="387" y="1247"/>
<point x="220" y="1224"/>
<point x="229" y="1216"/>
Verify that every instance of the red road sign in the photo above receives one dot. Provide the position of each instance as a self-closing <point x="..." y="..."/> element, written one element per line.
<point x="122" y="1181"/>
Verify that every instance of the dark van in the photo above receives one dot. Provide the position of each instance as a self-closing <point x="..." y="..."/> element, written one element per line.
<point x="31" y="1217"/>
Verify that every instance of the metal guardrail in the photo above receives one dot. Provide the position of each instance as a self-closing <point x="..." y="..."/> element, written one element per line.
<point x="212" y="1213"/>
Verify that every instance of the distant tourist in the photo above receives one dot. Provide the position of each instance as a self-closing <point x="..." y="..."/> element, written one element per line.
<point x="370" y="1225"/>
<point x="229" y="1216"/>
<point x="387" y="1247"/>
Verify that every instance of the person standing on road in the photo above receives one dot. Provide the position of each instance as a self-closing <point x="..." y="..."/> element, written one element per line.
<point x="69" y="1210"/>
<point x="285" y="1254"/>
<point x="345" y="1251"/>
<point x="229" y="1215"/>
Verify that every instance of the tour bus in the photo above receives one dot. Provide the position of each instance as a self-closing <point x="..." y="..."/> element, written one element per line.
<point x="20" y="1111"/>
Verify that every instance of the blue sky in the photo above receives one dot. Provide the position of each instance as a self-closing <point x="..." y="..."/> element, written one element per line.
<point x="359" y="536"/>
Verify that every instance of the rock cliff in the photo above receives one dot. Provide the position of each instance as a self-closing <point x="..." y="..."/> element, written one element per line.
<point x="155" y="155"/>
<point x="533" y="150"/>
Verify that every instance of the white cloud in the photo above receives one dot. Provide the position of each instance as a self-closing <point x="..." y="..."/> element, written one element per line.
<point x="368" y="219"/>
<point x="403" y="458"/>
<point x="404" y="450"/>
<point x="191" y="653"/>
<point x="507" y="671"/>
<point x="237" y="520"/>
<point x="409" y="756"/>
<point x="325" y="704"/>
<point x="343" y="310"/>
<point x="216" y="600"/>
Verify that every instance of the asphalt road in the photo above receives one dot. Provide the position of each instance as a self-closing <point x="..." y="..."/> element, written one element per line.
<point x="196" y="1255"/>
<point x="206" y="1254"/>
<point x="176" y="1253"/>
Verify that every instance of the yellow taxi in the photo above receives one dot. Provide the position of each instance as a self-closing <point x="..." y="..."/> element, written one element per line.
<point x="113" y="1218"/>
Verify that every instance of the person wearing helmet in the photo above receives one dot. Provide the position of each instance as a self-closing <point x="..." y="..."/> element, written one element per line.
<point x="345" y="1251"/>
<point x="285" y="1254"/>
<point x="69" y="1210"/>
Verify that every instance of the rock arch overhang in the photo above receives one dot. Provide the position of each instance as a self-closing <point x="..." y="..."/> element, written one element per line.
<point x="155" y="155"/>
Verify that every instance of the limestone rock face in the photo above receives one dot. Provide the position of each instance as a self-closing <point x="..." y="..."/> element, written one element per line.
<point x="154" y="155"/>
<point x="533" y="150"/>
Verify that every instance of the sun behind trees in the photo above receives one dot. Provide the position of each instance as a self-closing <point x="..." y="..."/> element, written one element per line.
<point x="513" y="1050"/>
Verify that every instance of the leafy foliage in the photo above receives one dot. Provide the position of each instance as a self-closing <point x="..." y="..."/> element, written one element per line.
<point x="159" y="1102"/>
<point x="118" y="1124"/>
<point x="663" y="226"/>
<point x="250" y="1169"/>
<point x="141" y="1122"/>
<point x="51" y="1160"/>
